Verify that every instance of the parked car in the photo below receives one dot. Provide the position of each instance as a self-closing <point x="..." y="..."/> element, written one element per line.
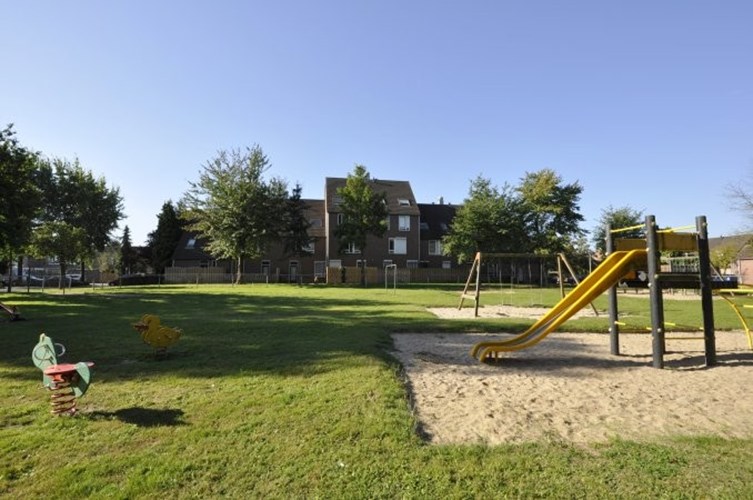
<point x="15" y="281"/>
<point x="725" y="281"/>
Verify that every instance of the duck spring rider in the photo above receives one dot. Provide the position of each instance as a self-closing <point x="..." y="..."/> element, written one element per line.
<point x="157" y="335"/>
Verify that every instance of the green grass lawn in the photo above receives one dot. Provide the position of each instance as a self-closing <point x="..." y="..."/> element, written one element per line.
<point x="290" y="392"/>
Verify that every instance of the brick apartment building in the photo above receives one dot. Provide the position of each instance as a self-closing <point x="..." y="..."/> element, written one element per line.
<point x="412" y="240"/>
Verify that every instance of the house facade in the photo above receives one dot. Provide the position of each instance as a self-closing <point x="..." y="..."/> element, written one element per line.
<point x="400" y="244"/>
<point x="740" y="247"/>
<point x="435" y="223"/>
<point x="412" y="240"/>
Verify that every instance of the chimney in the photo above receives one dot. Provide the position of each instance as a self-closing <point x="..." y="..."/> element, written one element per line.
<point x="441" y="200"/>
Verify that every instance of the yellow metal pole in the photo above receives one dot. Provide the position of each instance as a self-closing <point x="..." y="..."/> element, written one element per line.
<point x="626" y="229"/>
<point x="741" y="318"/>
<point x="673" y="229"/>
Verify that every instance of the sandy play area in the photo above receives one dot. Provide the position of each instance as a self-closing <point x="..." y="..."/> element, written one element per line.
<point x="569" y="387"/>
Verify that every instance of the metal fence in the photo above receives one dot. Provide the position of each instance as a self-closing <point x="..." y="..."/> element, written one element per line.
<point x="333" y="276"/>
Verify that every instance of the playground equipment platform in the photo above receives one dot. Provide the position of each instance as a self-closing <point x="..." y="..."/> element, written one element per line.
<point x="626" y="255"/>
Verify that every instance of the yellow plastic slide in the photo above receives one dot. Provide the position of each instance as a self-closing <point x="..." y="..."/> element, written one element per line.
<point x="616" y="265"/>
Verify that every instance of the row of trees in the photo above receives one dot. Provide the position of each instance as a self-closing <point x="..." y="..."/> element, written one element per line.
<point x="240" y="214"/>
<point x="541" y="215"/>
<point x="52" y="207"/>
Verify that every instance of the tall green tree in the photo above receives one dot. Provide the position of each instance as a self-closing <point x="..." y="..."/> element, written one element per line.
<point x="553" y="215"/>
<point x="489" y="220"/>
<point x="74" y="197"/>
<point x="19" y="197"/>
<point x="61" y="239"/>
<point x="234" y="208"/>
<point x="295" y="235"/>
<point x="617" y="218"/>
<point x="723" y="257"/>
<point x="128" y="257"/>
<point x="364" y="213"/>
<point x="99" y="211"/>
<point x="162" y="241"/>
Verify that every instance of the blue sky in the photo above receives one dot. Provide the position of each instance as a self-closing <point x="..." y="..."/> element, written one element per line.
<point x="646" y="104"/>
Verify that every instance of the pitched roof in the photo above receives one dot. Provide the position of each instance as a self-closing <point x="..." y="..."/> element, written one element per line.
<point x="190" y="247"/>
<point x="400" y="199"/>
<point x="435" y="220"/>
<point x="740" y="242"/>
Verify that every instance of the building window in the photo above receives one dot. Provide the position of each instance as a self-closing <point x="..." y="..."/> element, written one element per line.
<point x="336" y="200"/>
<point x="352" y="248"/>
<point x="403" y="222"/>
<point x="265" y="265"/>
<point x="424" y="226"/>
<point x="435" y="247"/>
<point x="387" y="220"/>
<point x="316" y="223"/>
<point x="191" y="243"/>
<point x="446" y="264"/>
<point x="340" y="219"/>
<point x="337" y="263"/>
<point x="360" y="263"/>
<point x="320" y="269"/>
<point x="403" y="202"/>
<point x="412" y="264"/>
<point x="398" y="246"/>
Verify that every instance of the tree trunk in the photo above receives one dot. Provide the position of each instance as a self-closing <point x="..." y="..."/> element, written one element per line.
<point x="363" y="264"/>
<point x="238" y="270"/>
<point x="10" y="273"/>
<point x="63" y="267"/>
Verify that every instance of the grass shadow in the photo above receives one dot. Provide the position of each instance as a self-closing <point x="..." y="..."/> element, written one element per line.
<point x="143" y="417"/>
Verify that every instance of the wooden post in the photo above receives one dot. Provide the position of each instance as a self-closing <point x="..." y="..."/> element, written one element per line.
<point x="707" y="305"/>
<point x="477" y="296"/>
<point x="475" y="267"/>
<point x="614" y="329"/>
<point x="655" y="293"/>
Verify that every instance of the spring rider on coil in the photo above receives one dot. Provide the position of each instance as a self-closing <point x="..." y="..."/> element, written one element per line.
<point x="66" y="381"/>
